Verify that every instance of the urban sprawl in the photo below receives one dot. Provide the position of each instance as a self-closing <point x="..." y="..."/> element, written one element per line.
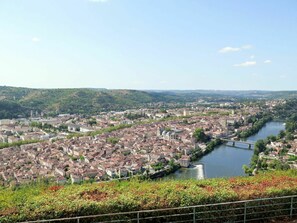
<point x="147" y="142"/>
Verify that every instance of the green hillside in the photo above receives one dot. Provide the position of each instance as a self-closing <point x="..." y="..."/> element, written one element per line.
<point x="18" y="102"/>
<point x="83" y="101"/>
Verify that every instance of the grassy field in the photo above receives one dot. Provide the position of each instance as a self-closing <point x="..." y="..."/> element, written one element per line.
<point x="44" y="201"/>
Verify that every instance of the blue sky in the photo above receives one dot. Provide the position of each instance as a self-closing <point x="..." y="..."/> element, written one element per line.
<point x="149" y="44"/>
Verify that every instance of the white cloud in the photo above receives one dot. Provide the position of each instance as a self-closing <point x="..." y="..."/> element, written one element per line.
<point x="246" y="64"/>
<point x="229" y="49"/>
<point x="267" y="61"/>
<point x="35" y="39"/>
<point x="252" y="57"/>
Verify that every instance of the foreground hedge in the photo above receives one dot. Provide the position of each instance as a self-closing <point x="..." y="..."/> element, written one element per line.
<point x="42" y="201"/>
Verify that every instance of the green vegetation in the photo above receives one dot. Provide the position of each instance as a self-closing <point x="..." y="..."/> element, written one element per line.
<point x="261" y="164"/>
<point x="45" y="201"/>
<point x="197" y="153"/>
<point x="258" y="122"/>
<point x="18" y="102"/>
<point x="15" y="102"/>
<point x="260" y="146"/>
<point x="11" y="109"/>
<point x="291" y="123"/>
<point x="132" y="116"/>
<point x="112" y="140"/>
<point x="48" y="127"/>
<point x="158" y="166"/>
<point x="292" y="158"/>
<point x="101" y="131"/>
<point x="92" y="122"/>
<point x="285" y="110"/>
<point x="200" y="136"/>
<point x="19" y="143"/>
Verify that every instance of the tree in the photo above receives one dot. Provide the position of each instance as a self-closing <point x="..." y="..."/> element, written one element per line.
<point x="281" y="134"/>
<point x="92" y="122"/>
<point x="272" y="138"/>
<point x="113" y="140"/>
<point x="247" y="170"/>
<point x="63" y="127"/>
<point x="260" y="146"/>
<point x="200" y="136"/>
<point x="289" y="136"/>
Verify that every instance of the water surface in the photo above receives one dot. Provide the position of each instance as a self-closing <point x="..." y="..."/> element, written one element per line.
<point x="227" y="161"/>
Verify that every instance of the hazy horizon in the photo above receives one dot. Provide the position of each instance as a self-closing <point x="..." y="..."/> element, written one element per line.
<point x="99" y="88"/>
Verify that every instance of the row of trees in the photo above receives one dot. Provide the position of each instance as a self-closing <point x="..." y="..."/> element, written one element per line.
<point x="200" y="136"/>
<point x="258" y="123"/>
<point x="48" y="127"/>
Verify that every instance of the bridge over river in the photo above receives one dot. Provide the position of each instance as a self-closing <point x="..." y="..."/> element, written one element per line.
<point x="225" y="160"/>
<point x="239" y="144"/>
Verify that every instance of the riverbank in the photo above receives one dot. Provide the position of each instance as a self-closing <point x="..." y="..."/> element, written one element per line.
<point x="256" y="126"/>
<point x="45" y="201"/>
<point x="197" y="154"/>
<point x="225" y="160"/>
<point x="210" y="146"/>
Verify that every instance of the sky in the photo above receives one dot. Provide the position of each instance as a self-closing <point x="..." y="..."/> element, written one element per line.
<point x="149" y="44"/>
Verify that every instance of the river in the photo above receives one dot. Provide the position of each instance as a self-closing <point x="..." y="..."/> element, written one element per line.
<point x="226" y="161"/>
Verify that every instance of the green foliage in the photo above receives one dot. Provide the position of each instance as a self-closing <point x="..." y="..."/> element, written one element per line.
<point x="212" y="144"/>
<point x="11" y="109"/>
<point x="281" y="134"/>
<point x="247" y="170"/>
<point x="19" y="143"/>
<point x="17" y="102"/>
<point x="101" y="131"/>
<point x="197" y="152"/>
<point x="291" y="123"/>
<point x="36" y="124"/>
<point x="286" y="110"/>
<point x="63" y="127"/>
<point x="92" y="122"/>
<point x="278" y="165"/>
<point x="260" y="146"/>
<point x="158" y="166"/>
<point x="168" y="129"/>
<point x="112" y="140"/>
<point x="200" y="136"/>
<point x="46" y="200"/>
<point x="258" y="123"/>
<point x="272" y="138"/>
<point x="132" y="116"/>
<point x="292" y="158"/>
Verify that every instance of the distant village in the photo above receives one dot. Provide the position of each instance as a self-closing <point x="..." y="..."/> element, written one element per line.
<point x="153" y="141"/>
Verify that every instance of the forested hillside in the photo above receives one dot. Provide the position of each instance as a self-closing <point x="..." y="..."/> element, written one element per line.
<point x="17" y="102"/>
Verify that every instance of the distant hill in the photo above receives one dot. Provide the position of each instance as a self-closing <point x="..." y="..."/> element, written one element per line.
<point x="246" y="94"/>
<point x="18" y="102"/>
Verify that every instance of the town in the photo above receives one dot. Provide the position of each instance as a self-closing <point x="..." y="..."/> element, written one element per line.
<point x="148" y="142"/>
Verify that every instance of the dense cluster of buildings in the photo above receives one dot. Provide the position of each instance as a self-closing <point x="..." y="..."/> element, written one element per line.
<point x="283" y="151"/>
<point x="122" y="153"/>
